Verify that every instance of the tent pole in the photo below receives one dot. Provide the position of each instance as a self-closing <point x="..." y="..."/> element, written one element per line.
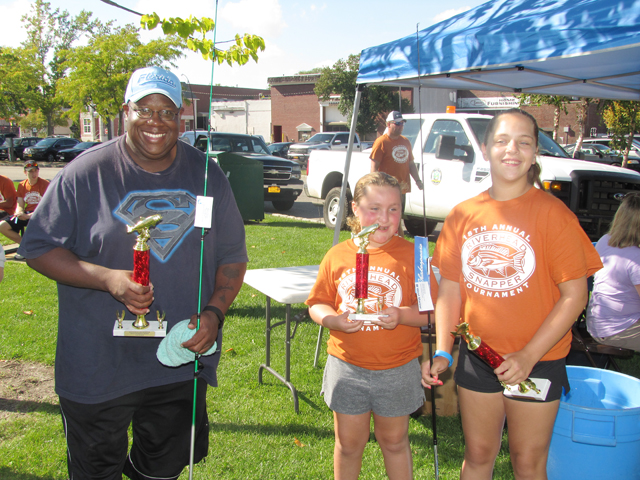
<point x="347" y="164"/>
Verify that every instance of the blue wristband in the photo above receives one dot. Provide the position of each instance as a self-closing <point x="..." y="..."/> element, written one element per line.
<point x="442" y="353"/>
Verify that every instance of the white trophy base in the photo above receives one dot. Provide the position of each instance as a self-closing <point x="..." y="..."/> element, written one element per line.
<point x="367" y="317"/>
<point x="128" y="330"/>
<point x="543" y="385"/>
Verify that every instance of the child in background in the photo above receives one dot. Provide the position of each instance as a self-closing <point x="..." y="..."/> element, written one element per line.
<point x="514" y="263"/>
<point x="372" y="368"/>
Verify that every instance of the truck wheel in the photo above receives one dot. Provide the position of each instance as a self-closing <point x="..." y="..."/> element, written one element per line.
<point x="282" y="205"/>
<point x="330" y="208"/>
<point x="415" y="226"/>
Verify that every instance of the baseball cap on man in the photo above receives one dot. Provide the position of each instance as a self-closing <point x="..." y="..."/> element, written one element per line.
<point x="148" y="80"/>
<point x="30" y="165"/>
<point x="395" y="116"/>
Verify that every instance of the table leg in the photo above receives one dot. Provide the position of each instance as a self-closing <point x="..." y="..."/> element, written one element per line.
<point x="267" y="365"/>
<point x="267" y="361"/>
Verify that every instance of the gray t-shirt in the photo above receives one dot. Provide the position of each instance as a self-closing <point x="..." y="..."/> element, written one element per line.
<point x="86" y="210"/>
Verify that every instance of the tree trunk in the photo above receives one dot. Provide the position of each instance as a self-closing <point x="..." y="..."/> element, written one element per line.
<point x="581" y="116"/>
<point x="109" y="129"/>
<point x="556" y="122"/>
<point x="634" y="114"/>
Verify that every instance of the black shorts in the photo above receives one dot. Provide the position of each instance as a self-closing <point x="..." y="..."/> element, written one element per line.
<point x="161" y="419"/>
<point x="475" y="375"/>
<point x="17" y="225"/>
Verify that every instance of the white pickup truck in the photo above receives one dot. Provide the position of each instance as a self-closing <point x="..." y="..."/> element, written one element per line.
<point x="455" y="170"/>
<point x="300" y="152"/>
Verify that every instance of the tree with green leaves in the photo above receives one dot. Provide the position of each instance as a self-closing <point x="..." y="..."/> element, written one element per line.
<point x="622" y="118"/>
<point x="50" y="33"/>
<point x="97" y="74"/>
<point x="558" y="102"/>
<point x="18" y="74"/>
<point x="193" y="31"/>
<point x="375" y="100"/>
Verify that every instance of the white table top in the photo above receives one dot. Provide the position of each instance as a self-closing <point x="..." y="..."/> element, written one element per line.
<point x="285" y="285"/>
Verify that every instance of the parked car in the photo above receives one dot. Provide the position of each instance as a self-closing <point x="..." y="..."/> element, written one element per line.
<point x="19" y="144"/>
<point x="595" y="152"/>
<point x="48" y="148"/>
<point x="279" y="149"/>
<point x="633" y="153"/>
<point x="190" y="136"/>
<point x="69" y="154"/>
<point x="282" y="178"/>
<point x="322" y="141"/>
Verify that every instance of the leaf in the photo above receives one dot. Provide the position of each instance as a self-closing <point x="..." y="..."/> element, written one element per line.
<point x="28" y="312"/>
<point x="298" y="442"/>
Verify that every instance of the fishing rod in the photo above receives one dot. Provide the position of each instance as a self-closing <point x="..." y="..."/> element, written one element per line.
<point x="424" y="220"/>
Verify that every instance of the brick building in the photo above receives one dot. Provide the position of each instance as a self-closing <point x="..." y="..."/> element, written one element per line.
<point x="94" y="128"/>
<point x="477" y="101"/>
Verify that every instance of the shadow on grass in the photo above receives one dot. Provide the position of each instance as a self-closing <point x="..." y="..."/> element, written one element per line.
<point x="11" y="474"/>
<point x="289" y="224"/>
<point x="271" y="430"/>
<point x="28" y="406"/>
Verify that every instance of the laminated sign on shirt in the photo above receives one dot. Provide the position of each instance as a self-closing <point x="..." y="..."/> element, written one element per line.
<point x="422" y="274"/>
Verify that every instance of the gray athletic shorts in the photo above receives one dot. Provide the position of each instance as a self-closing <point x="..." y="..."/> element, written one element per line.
<point x="355" y="390"/>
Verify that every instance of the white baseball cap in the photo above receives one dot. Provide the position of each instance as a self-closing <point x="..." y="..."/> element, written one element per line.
<point x="148" y="80"/>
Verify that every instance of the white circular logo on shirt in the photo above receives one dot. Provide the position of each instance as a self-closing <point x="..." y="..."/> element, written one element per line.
<point x="400" y="154"/>
<point x="381" y="284"/>
<point x="497" y="260"/>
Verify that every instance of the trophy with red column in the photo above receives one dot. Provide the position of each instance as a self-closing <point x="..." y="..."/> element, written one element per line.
<point x="362" y="278"/>
<point x="140" y="327"/>
<point x="535" y="388"/>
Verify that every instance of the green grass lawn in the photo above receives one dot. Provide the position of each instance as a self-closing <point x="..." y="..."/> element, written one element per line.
<point x="255" y="433"/>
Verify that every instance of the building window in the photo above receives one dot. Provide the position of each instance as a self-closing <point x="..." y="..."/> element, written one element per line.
<point x="86" y="125"/>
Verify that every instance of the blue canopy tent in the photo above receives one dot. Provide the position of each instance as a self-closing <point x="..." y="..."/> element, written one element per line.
<point x="583" y="48"/>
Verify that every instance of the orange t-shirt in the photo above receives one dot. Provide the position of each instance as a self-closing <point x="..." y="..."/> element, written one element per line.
<point x="391" y="276"/>
<point x="32" y="194"/>
<point x="7" y="195"/>
<point x="509" y="258"/>
<point x="393" y="157"/>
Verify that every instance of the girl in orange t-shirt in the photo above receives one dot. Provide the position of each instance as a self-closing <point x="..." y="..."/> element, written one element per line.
<point x="514" y="264"/>
<point x="372" y="369"/>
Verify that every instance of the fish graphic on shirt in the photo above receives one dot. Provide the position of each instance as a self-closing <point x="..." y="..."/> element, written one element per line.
<point x="496" y="259"/>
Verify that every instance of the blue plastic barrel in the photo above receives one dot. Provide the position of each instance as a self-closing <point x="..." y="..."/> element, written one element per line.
<point x="597" y="430"/>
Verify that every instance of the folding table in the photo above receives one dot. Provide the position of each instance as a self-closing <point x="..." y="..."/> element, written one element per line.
<point x="284" y="285"/>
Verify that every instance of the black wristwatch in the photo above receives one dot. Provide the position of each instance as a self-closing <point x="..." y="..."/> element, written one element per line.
<point x="218" y="313"/>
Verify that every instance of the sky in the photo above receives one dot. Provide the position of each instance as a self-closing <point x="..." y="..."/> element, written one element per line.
<point x="299" y="35"/>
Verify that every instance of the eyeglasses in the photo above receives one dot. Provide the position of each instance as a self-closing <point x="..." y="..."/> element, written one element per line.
<point x="147" y="113"/>
<point x="398" y="123"/>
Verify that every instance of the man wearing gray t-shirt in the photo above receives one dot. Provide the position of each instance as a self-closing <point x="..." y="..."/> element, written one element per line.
<point x="78" y="237"/>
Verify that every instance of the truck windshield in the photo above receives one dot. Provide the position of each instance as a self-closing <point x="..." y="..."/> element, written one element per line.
<point x="546" y="145"/>
<point x="321" y="138"/>
<point x="412" y="129"/>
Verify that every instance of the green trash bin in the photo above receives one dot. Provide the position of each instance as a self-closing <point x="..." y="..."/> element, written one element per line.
<point x="246" y="177"/>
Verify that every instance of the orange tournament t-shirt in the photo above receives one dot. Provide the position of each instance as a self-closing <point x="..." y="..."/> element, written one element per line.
<point x="32" y="194"/>
<point x="8" y="194"/>
<point x="393" y="156"/>
<point x="509" y="258"/>
<point x="391" y="276"/>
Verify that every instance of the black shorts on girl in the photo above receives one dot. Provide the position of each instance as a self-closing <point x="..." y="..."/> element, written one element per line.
<point x="353" y="390"/>
<point x="475" y="375"/>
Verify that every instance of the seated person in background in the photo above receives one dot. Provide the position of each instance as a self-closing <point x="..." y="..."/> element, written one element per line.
<point x="30" y="192"/>
<point x="7" y="197"/>
<point x="613" y="315"/>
